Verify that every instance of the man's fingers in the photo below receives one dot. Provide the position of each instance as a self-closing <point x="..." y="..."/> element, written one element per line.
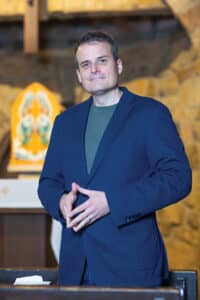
<point x="68" y="220"/>
<point x="74" y="189"/>
<point x="84" y="191"/>
<point x="82" y="224"/>
<point x="81" y="217"/>
<point x="78" y="209"/>
<point x="65" y="213"/>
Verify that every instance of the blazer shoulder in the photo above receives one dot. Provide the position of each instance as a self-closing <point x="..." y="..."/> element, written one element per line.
<point x="150" y="105"/>
<point x="148" y="101"/>
<point x="143" y="101"/>
<point x="74" y="110"/>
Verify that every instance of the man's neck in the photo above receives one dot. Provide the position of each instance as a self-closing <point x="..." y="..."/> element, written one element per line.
<point x="109" y="98"/>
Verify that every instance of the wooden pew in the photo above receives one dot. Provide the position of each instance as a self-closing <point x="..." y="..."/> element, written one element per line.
<point x="182" y="285"/>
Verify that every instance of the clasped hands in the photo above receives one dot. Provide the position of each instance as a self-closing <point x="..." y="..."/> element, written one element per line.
<point x="95" y="207"/>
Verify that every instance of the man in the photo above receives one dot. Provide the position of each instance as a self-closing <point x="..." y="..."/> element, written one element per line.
<point x="112" y="161"/>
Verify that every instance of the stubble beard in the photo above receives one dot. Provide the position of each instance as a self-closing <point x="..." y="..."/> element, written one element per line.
<point x="103" y="91"/>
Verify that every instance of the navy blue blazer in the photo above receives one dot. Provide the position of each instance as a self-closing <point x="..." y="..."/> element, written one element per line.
<point x="141" y="166"/>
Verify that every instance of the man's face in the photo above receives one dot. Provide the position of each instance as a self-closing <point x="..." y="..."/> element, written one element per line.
<point x="97" y="70"/>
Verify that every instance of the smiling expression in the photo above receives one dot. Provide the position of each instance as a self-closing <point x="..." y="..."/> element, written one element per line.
<point x="97" y="70"/>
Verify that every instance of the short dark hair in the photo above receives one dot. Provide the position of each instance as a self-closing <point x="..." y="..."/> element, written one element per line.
<point x="98" y="36"/>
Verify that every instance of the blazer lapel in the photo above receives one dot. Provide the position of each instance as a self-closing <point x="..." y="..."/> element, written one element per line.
<point x="113" y="129"/>
<point x="81" y="123"/>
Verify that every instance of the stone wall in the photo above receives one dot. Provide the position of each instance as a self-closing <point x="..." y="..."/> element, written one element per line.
<point x="161" y="62"/>
<point x="179" y="88"/>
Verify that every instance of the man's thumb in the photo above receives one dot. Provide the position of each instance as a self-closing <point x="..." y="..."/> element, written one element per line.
<point x="74" y="188"/>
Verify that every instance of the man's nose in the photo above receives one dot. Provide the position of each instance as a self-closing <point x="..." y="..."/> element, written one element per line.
<point x="94" y="68"/>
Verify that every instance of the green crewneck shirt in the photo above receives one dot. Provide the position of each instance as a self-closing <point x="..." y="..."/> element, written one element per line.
<point x="98" y="119"/>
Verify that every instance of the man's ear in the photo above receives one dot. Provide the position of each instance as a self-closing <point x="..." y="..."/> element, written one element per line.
<point x="78" y="75"/>
<point x="119" y="66"/>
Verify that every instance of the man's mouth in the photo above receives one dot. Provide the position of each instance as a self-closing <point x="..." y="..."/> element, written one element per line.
<point x="93" y="78"/>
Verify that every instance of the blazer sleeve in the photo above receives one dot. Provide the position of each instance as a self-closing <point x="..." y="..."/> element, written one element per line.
<point x="51" y="183"/>
<point x="167" y="180"/>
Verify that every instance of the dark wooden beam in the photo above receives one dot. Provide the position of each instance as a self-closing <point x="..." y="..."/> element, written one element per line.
<point x="150" y="12"/>
<point x="31" y="26"/>
<point x="43" y="10"/>
<point x="45" y="15"/>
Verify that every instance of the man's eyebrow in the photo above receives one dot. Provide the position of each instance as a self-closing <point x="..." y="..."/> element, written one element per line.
<point x="83" y="62"/>
<point x="99" y="57"/>
<point x="103" y="56"/>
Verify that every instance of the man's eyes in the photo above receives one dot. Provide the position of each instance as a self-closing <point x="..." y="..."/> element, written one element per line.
<point x="102" y="60"/>
<point x="85" y="65"/>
